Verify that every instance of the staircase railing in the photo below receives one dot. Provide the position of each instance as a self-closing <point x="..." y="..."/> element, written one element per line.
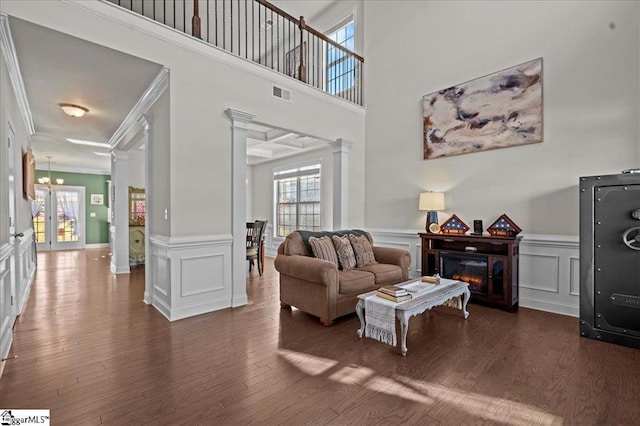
<point x="263" y="33"/>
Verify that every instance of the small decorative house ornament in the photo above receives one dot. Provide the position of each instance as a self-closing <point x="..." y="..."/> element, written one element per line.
<point x="454" y="225"/>
<point x="504" y="227"/>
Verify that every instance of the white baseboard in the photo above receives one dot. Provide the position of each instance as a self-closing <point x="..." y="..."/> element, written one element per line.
<point x="120" y="270"/>
<point x="572" y="310"/>
<point x="96" y="245"/>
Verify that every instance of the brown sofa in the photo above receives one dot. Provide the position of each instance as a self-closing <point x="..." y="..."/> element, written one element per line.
<point x="320" y="288"/>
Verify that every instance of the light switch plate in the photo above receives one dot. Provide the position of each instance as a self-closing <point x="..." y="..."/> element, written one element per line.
<point x="92" y="214"/>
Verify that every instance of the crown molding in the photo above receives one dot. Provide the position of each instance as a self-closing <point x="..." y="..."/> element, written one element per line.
<point x="11" y="59"/>
<point x="72" y="169"/>
<point x="144" y="104"/>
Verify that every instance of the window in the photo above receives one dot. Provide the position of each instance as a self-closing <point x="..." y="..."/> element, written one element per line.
<point x="297" y="199"/>
<point x="340" y="67"/>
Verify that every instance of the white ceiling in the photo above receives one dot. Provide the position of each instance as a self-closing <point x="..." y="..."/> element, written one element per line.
<point x="57" y="68"/>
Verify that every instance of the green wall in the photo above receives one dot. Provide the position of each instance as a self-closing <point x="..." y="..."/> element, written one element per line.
<point x="97" y="228"/>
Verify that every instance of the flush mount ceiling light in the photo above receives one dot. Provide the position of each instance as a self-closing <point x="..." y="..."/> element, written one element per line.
<point x="73" y="110"/>
<point x="89" y="143"/>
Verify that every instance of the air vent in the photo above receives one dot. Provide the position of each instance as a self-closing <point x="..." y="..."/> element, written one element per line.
<point x="279" y="92"/>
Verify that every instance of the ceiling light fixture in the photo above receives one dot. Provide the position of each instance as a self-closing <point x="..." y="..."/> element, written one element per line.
<point x="73" y="110"/>
<point x="89" y="143"/>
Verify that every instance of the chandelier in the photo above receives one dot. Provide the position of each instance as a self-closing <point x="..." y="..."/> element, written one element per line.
<point x="46" y="180"/>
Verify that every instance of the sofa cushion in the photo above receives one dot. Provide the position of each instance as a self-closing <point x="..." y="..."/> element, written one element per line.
<point x="384" y="273"/>
<point x="322" y="248"/>
<point x="363" y="250"/>
<point x="355" y="282"/>
<point x="346" y="257"/>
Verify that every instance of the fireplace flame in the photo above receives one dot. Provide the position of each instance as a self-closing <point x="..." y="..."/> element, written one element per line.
<point x="475" y="282"/>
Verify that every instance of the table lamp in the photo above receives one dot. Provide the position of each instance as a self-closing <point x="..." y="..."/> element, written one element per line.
<point x="431" y="202"/>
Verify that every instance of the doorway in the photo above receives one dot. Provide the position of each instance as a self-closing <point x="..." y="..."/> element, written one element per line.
<point x="58" y="217"/>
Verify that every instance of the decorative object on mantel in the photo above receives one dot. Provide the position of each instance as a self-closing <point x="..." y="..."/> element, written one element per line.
<point x="499" y="110"/>
<point x="504" y="227"/>
<point x="454" y="225"/>
<point x="432" y="202"/>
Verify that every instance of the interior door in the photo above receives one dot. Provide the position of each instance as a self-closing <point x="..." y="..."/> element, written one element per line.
<point x="59" y="218"/>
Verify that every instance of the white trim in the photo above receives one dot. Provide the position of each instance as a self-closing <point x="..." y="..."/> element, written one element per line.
<point x="569" y="309"/>
<point x="74" y="169"/>
<point x="5" y="251"/>
<point x="146" y="101"/>
<point x="240" y="121"/>
<point x="96" y="245"/>
<point x="149" y="27"/>
<point x="191" y="275"/>
<point x="192" y="241"/>
<point x="15" y="75"/>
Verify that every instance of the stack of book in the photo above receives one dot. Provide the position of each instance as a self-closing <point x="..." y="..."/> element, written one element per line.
<point x="393" y="293"/>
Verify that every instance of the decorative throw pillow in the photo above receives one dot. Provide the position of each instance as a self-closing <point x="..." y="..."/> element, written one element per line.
<point x="323" y="249"/>
<point x="363" y="250"/>
<point x="346" y="257"/>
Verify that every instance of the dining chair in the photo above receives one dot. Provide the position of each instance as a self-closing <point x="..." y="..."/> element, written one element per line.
<point x="255" y="245"/>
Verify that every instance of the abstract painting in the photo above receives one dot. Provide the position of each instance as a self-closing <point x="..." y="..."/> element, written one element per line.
<point x="500" y="110"/>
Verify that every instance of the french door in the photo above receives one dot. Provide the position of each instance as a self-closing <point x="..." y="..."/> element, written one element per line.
<point x="58" y="217"/>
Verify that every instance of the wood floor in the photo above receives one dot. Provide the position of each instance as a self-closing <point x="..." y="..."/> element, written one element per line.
<point x="88" y="349"/>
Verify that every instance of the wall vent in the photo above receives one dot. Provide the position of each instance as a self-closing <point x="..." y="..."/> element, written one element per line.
<point x="279" y="92"/>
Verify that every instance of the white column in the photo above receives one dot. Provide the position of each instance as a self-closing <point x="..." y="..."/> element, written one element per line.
<point x="340" y="149"/>
<point x="120" y="180"/>
<point x="148" y="278"/>
<point x="239" y="124"/>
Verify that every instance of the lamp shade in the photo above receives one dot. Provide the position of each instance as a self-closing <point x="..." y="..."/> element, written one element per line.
<point x="431" y="201"/>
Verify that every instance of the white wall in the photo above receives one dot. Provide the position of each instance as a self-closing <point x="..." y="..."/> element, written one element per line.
<point x="591" y="88"/>
<point x="136" y="168"/>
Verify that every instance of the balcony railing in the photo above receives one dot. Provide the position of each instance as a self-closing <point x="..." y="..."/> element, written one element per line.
<point x="263" y="33"/>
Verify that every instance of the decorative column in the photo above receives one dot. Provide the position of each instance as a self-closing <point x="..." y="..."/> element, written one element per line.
<point x="239" y="124"/>
<point x="341" y="148"/>
<point x="120" y="209"/>
<point x="145" y="121"/>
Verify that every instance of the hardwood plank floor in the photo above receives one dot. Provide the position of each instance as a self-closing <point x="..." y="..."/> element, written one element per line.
<point x="91" y="351"/>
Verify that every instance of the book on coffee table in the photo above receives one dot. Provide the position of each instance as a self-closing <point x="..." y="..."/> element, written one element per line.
<point x="396" y="299"/>
<point x="393" y="290"/>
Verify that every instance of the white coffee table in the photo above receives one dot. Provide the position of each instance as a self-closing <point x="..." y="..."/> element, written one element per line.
<point x="446" y="290"/>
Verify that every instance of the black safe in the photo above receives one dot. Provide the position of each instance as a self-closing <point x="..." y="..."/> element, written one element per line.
<point x="610" y="258"/>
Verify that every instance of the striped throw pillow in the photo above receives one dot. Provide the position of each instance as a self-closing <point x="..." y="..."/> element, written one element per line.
<point x="323" y="249"/>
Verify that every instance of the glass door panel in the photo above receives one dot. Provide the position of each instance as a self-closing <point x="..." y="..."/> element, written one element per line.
<point x="68" y="221"/>
<point x="58" y="217"/>
<point x="39" y="213"/>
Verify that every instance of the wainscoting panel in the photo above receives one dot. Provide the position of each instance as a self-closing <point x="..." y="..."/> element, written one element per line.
<point x="25" y="268"/>
<point x="7" y="311"/>
<point x="548" y="267"/>
<point x="546" y="273"/>
<point x="541" y="272"/>
<point x="17" y="265"/>
<point x="192" y="275"/>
